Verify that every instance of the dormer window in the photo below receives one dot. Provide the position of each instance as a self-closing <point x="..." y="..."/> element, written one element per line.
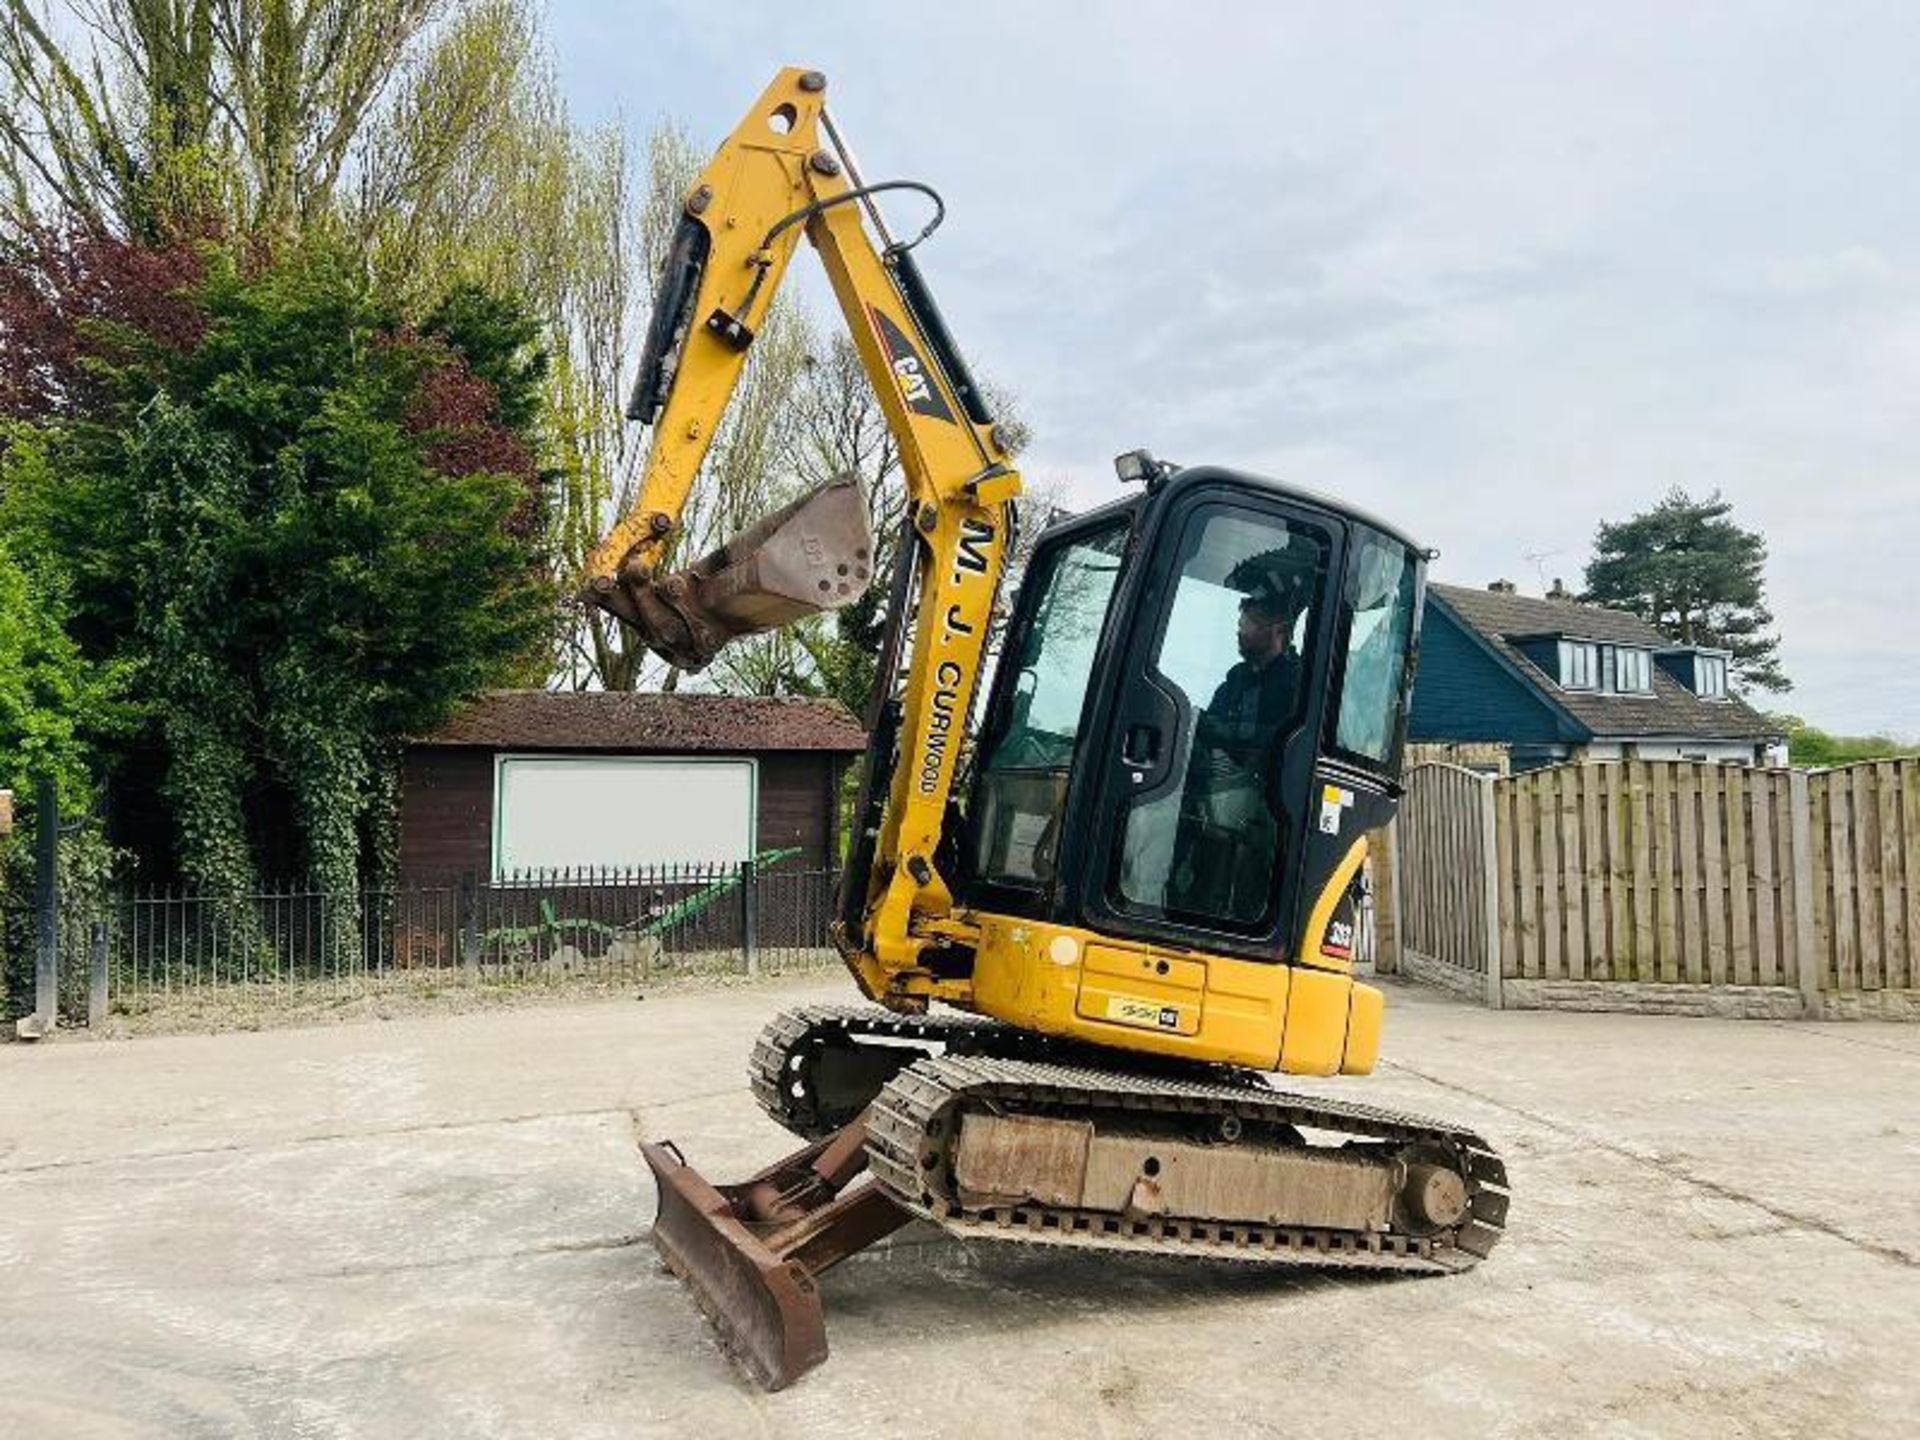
<point x="1626" y="670"/>
<point x="1579" y="665"/>
<point x="1604" y="666"/>
<point x="1710" y="677"/>
<point x="1704" y="672"/>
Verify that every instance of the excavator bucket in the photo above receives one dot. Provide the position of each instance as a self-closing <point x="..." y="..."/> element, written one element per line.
<point x="812" y="555"/>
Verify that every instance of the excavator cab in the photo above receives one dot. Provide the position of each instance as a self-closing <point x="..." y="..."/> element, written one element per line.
<point x="1185" y="676"/>
<point x="1197" y="715"/>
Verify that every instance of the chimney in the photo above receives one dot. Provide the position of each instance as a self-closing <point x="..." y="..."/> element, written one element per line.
<point x="1559" y="591"/>
<point x="1501" y="587"/>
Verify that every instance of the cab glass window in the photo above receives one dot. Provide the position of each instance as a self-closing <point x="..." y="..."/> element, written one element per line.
<point x="1208" y="847"/>
<point x="1021" y="780"/>
<point x="1382" y="579"/>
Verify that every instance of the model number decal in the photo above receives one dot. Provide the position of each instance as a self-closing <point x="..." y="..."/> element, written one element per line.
<point x="1339" y="940"/>
<point x="1143" y="1013"/>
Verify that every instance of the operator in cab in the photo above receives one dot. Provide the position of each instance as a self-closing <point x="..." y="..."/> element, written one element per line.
<point x="1229" y="833"/>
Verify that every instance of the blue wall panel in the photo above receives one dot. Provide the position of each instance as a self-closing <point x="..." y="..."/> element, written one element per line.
<point x="1462" y="693"/>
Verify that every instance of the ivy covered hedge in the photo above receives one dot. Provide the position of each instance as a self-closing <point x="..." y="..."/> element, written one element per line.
<point x="256" y="526"/>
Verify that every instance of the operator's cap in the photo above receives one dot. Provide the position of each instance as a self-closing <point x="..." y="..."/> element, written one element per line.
<point x="1267" y="594"/>
<point x="1274" y="582"/>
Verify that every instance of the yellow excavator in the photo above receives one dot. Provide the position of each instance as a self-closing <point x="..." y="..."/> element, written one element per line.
<point x="1129" y="880"/>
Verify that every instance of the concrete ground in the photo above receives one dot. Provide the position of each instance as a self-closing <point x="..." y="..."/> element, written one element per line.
<point x="438" y="1226"/>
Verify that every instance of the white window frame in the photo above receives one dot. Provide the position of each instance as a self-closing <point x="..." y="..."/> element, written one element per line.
<point x="1640" y="662"/>
<point x="1585" y="651"/>
<point x="1715" y="665"/>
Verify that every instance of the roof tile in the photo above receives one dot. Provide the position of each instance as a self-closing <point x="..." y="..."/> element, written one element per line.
<point x="1672" y="709"/>
<point x="620" y="720"/>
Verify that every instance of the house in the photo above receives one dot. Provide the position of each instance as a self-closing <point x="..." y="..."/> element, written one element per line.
<point x="1513" y="682"/>
<point x="531" y="780"/>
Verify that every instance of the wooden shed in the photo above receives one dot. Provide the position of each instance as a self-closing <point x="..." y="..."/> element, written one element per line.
<point x="525" y="781"/>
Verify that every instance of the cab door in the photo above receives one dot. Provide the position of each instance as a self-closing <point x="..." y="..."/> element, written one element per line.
<point x="1218" y="700"/>
<point x="1036" y="744"/>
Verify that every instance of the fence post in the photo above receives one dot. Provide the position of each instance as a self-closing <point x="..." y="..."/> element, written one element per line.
<point x="750" y="915"/>
<point x="1807" y="959"/>
<point x="1490" y="886"/>
<point x="97" y="979"/>
<point x="469" y="921"/>
<point x="1386" y="918"/>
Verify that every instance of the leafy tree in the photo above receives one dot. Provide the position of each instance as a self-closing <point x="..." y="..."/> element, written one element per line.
<point x="54" y="704"/>
<point x="1814" y="748"/>
<point x="149" y="118"/>
<point x="56" y="709"/>
<point x="1689" y="569"/>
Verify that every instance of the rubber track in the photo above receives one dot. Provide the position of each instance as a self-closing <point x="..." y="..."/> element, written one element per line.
<point x="787" y="1093"/>
<point x="987" y="1060"/>
<point x="918" y="1112"/>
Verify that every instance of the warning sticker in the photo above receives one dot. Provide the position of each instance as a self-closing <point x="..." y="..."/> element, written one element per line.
<point x="1333" y="804"/>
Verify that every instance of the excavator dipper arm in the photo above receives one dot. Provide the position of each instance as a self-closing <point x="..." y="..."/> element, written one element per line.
<point x="782" y="173"/>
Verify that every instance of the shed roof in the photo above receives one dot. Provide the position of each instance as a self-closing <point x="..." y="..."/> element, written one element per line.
<point x="1671" y="710"/>
<point x="620" y="720"/>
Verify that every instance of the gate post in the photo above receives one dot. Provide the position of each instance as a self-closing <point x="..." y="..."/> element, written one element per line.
<point x="1490" y="885"/>
<point x="97" y="978"/>
<point x="46" y="912"/>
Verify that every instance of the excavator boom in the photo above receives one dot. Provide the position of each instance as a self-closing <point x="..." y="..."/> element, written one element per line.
<point x="781" y="174"/>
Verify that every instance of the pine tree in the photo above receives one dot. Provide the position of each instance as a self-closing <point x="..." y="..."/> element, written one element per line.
<point x="1688" y="568"/>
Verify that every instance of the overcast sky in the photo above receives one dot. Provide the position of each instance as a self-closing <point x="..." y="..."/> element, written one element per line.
<point x="1497" y="272"/>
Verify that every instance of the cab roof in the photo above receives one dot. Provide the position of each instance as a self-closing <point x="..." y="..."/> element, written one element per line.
<point x="1196" y="475"/>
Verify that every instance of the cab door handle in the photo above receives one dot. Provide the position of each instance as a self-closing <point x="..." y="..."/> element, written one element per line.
<point x="1140" y="751"/>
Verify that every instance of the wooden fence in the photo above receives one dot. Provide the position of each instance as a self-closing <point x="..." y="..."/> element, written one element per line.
<point x="1774" y="891"/>
<point x="1445" y="852"/>
<point x="1866" y="875"/>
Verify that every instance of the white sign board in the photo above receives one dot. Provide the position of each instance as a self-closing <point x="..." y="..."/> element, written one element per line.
<point x="556" y="812"/>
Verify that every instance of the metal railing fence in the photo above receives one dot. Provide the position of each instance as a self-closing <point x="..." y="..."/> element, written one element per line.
<point x="142" y="948"/>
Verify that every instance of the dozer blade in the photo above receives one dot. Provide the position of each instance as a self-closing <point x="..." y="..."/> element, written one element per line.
<point x="766" y="1309"/>
<point x="811" y="555"/>
<point x="752" y="1253"/>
